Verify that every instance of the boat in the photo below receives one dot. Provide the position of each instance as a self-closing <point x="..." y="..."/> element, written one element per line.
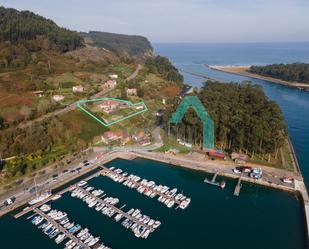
<point x="60" y="238"/>
<point x="81" y="183"/>
<point x="45" y="208"/>
<point x="222" y="184"/>
<point x="56" y="197"/>
<point x="40" y="198"/>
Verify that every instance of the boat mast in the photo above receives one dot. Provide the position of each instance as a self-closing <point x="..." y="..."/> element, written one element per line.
<point x="35" y="186"/>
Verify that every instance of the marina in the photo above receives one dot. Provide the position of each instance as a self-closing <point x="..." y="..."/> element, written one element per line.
<point x="54" y="227"/>
<point x="167" y="196"/>
<point x="107" y="227"/>
<point x="140" y="224"/>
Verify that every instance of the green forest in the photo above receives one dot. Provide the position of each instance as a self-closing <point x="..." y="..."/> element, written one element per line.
<point x="162" y="66"/>
<point x="245" y="119"/>
<point x="297" y="72"/>
<point x="24" y="25"/>
<point x="131" y="45"/>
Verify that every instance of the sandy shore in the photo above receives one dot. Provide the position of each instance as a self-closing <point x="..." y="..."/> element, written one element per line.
<point x="242" y="70"/>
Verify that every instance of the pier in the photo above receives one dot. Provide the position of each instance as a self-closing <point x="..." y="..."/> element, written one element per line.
<point x="31" y="208"/>
<point x="117" y="210"/>
<point x="61" y="229"/>
<point x="213" y="180"/>
<point x="138" y="184"/>
<point x="238" y="186"/>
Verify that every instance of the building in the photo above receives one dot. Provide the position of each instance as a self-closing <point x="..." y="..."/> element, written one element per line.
<point x="113" y="76"/>
<point x="132" y="92"/>
<point x="78" y="89"/>
<point x="110" y="136"/>
<point x="38" y="93"/>
<point x="139" y="136"/>
<point x="109" y="84"/>
<point x="58" y="98"/>
<point x="109" y="106"/>
<point x="139" y="107"/>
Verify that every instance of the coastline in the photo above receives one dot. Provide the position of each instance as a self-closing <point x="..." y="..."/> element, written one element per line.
<point x="299" y="188"/>
<point x="242" y="71"/>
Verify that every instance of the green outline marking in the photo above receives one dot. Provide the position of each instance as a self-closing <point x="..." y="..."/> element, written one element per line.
<point x="80" y="102"/>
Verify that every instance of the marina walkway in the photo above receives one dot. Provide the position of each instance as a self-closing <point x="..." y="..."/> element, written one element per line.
<point x="238" y="186"/>
<point x="138" y="184"/>
<point x="117" y="210"/>
<point x="61" y="229"/>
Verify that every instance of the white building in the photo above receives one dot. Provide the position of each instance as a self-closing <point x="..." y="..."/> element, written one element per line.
<point x="58" y="98"/>
<point x="113" y="76"/>
<point x="78" y="89"/>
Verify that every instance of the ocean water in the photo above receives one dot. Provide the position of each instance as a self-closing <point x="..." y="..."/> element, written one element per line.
<point x="258" y="218"/>
<point x="293" y="102"/>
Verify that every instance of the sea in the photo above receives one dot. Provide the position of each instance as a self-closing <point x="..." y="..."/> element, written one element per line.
<point x="260" y="218"/>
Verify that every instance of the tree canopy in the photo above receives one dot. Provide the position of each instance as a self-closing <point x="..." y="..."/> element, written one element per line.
<point x="298" y="72"/>
<point x="245" y="119"/>
<point x="16" y="26"/>
<point x="131" y="45"/>
<point x="161" y="65"/>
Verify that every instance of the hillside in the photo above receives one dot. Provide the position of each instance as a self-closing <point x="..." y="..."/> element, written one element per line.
<point x="16" y="26"/>
<point x="130" y="45"/>
<point x="297" y="72"/>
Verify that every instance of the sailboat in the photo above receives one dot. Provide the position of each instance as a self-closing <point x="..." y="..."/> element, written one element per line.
<point x="41" y="197"/>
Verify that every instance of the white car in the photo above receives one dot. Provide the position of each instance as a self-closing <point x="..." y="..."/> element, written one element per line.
<point x="8" y="202"/>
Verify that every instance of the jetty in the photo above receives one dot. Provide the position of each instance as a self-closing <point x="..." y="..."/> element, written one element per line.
<point x="117" y="210"/>
<point x="238" y="186"/>
<point x="213" y="180"/>
<point x="61" y="229"/>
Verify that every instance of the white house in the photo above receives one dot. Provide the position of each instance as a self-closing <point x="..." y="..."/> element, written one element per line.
<point x="132" y="91"/>
<point x="78" y="89"/>
<point x="113" y="76"/>
<point x="110" y="84"/>
<point x="58" y="98"/>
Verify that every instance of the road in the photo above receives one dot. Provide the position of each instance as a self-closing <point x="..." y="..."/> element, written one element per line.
<point x="135" y="73"/>
<point x="72" y="106"/>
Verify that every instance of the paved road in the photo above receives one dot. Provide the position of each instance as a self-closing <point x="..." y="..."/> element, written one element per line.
<point x="135" y="73"/>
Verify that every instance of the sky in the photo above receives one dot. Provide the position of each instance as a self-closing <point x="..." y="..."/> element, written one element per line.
<point x="181" y="20"/>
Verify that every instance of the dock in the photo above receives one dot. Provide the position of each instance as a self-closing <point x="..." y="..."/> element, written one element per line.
<point x="238" y="186"/>
<point x="138" y="184"/>
<point x="31" y="208"/>
<point x="213" y="180"/>
<point x="61" y="228"/>
<point x="117" y="210"/>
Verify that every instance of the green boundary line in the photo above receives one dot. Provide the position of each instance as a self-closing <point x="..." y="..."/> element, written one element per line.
<point x="80" y="102"/>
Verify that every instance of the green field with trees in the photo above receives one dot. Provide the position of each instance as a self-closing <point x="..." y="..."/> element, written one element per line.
<point x="297" y="72"/>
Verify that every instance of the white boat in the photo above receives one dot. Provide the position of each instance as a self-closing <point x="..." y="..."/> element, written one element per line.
<point x="56" y="197"/>
<point x="81" y="183"/>
<point x="60" y="238"/>
<point x="45" y="208"/>
<point x="40" y="198"/>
